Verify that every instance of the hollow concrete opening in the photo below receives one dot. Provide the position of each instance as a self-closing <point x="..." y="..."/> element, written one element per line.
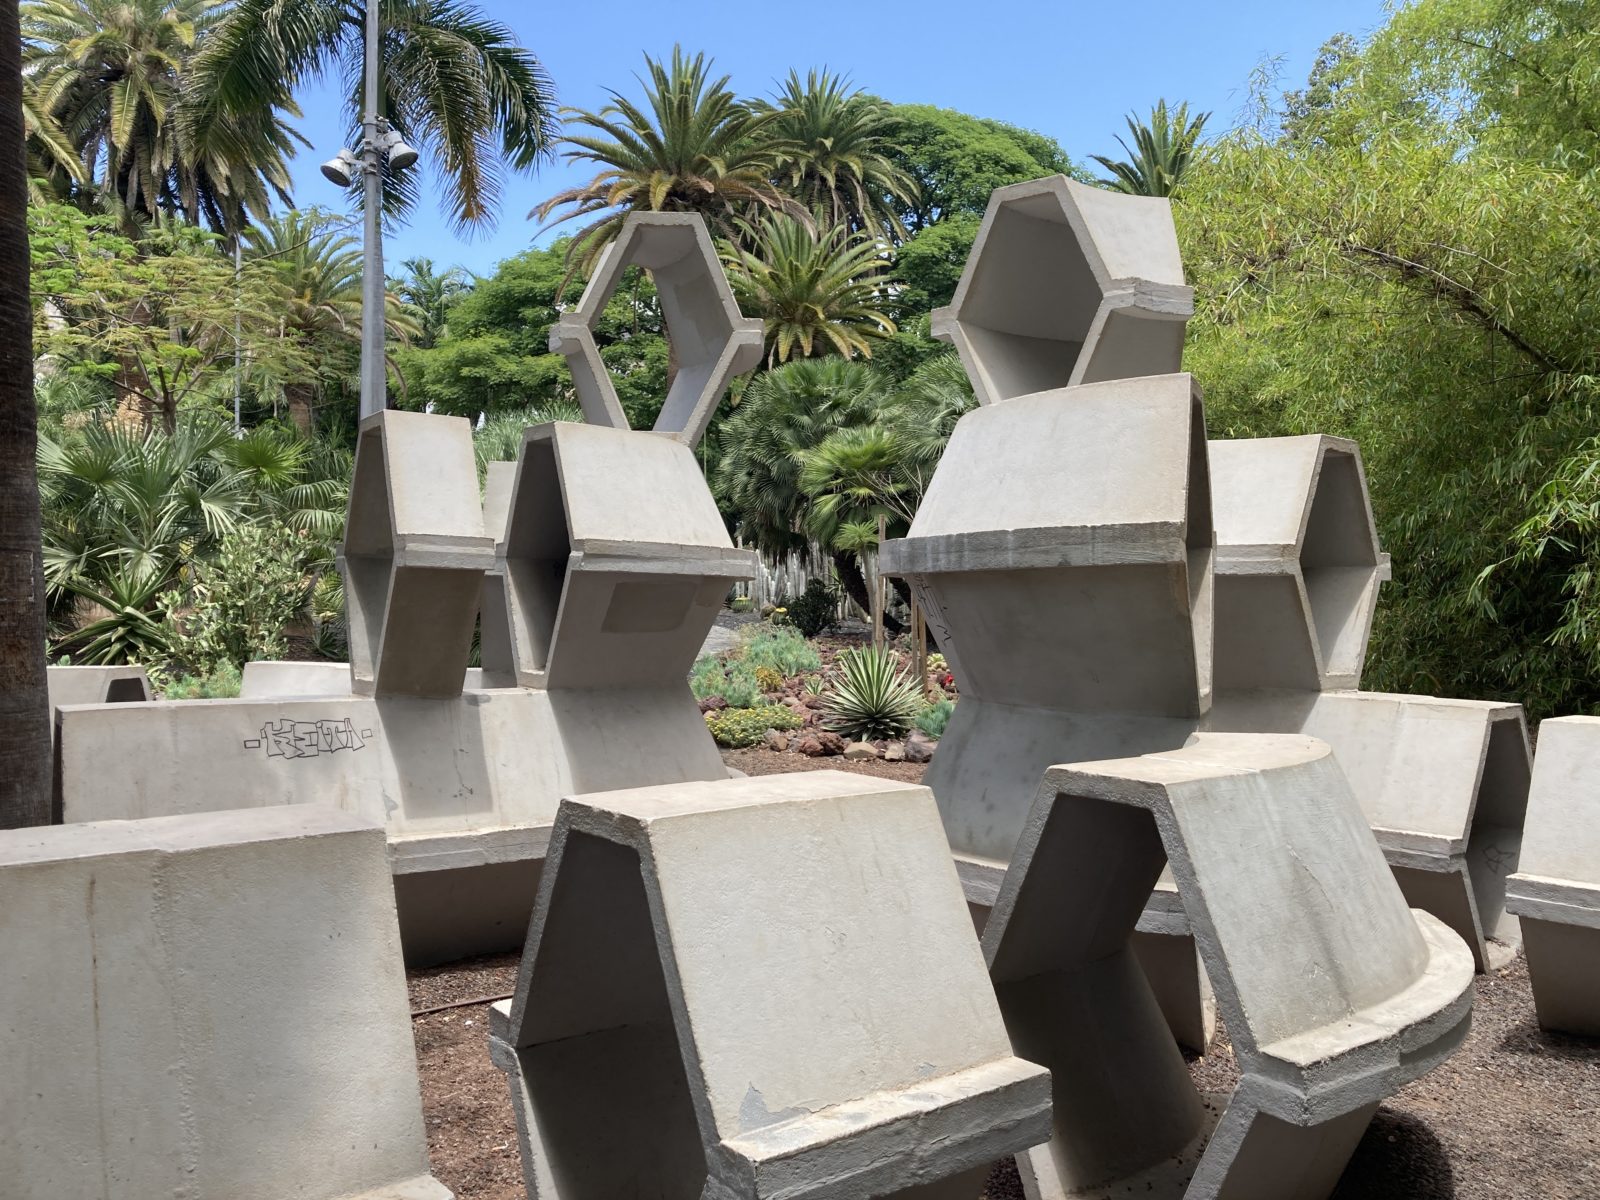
<point x="126" y="691"/>
<point x="1031" y="300"/>
<point x="537" y="550"/>
<point x="1339" y="562"/>
<point x="611" y="1110"/>
<point x="368" y="553"/>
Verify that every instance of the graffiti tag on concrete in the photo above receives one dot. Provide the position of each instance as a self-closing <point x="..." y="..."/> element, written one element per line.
<point x="286" y="738"/>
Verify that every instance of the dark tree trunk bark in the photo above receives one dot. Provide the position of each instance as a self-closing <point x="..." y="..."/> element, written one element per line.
<point x="298" y="397"/>
<point x="854" y="583"/>
<point x="24" y="698"/>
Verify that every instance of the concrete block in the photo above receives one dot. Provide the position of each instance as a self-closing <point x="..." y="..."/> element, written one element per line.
<point x="95" y="685"/>
<point x="495" y="652"/>
<point x="615" y="557"/>
<point x="1335" y="993"/>
<point x="206" y="1006"/>
<point x="1298" y="564"/>
<point x="414" y="555"/>
<point x="731" y="990"/>
<point x="275" y="679"/>
<point x="711" y="340"/>
<point x="1557" y="891"/>
<point x="1073" y="601"/>
<point x="1067" y="284"/>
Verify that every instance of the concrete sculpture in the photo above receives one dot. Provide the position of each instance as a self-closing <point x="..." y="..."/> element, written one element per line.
<point x="1067" y="284"/>
<point x="414" y="555"/>
<point x="597" y="562"/>
<point x="1263" y="836"/>
<point x="95" y="685"/>
<point x="1443" y="782"/>
<point x="1063" y="556"/>
<point x="1557" y="892"/>
<point x="207" y="1006"/>
<point x="757" y="989"/>
<point x="713" y="342"/>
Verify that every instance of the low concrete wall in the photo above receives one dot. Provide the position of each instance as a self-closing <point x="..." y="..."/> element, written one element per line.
<point x="208" y="1006"/>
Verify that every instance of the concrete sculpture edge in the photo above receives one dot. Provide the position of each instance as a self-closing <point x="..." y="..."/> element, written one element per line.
<point x="672" y="925"/>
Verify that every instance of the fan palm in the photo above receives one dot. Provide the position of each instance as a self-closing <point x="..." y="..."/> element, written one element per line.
<point x="1162" y="150"/>
<point x="816" y="289"/>
<point x="691" y="147"/>
<point x="115" y="75"/>
<point x="834" y="159"/>
<point x="452" y="82"/>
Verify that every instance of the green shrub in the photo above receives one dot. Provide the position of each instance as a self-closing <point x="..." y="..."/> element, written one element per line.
<point x="239" y="601"/>
<point x="769" y="679"/>
<point x="933" y="719"/>
<point x="814" y="609"/>
<point x="706" y="677"/>
<point x="872" y="697"/>
<point x="220" y="683"/>
<point x="738" y="727"/>
<point x="782" y="648"/>
<point x="735" y="682"/>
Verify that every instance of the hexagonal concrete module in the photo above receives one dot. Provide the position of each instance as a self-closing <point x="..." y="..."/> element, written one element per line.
<point x="712" y="340"/>
<point x="414" y="555"/>
<point x="1298" y="563"/>
<point x="1068" y="284"/>
<point x="615" y="558"/>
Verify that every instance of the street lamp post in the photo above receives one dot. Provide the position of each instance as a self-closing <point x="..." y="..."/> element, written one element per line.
<point x="378" y="142"/>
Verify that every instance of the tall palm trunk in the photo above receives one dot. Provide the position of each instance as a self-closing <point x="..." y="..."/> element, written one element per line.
<point x="854" y="581"/>
<point x="24" y="700"/>
<point x="298" y="398"/>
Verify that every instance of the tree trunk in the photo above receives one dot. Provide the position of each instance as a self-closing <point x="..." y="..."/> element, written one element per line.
<point x="854" y="582"/>
<point x="298" y="397"/>
<point x="24" y="698"/>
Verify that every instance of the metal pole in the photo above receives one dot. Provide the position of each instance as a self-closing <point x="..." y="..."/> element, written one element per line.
<point x="374" y="381"/>
<point x="238" y="265"/>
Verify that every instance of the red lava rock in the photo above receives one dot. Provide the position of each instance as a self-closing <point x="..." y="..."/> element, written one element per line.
<point x="712" y="704"/>
<point x="811" y="747"/>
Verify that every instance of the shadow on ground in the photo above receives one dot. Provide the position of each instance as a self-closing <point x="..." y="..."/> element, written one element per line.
<point x="1400" y="1158"/>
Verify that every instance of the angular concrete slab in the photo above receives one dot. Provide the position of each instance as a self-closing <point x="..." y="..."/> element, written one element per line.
<point x="1067" y="284"/>
<point x="1063" y="556"/>
<point x="206" y="1006"/>
<point x="1334" y="992"/>
<point x="712" y="341"/>
<point x="495" y="652"/>
<point x="1557" y="891"/>
<point x="414" y="555"/>
<point x="758" y="988"/>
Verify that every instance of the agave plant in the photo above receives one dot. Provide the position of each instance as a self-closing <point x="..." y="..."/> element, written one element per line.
<point x="872" y="696"/>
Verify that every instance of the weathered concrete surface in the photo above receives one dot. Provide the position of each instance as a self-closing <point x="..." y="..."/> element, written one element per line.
<point x="278" y="679"/>
<point x="414" y="555"/>
<point x="499" y="667"/>
<point x="1557" y="890"/>
<point x="1067" y="284"/>
<point x="95" y="685"/>
<point x="1063" y="557"/>
<point x="209" y="1006"/>
<point x="1334" y="992"/>
<point x="758" y="988"/>
<point x="1298" y="564"/>
<point x="459" y="784"/>
<point x="712" y="341"/>
<point x="616" y="559"/>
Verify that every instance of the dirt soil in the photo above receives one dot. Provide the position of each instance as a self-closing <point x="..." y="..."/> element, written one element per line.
<point x="1515" y="1115"/>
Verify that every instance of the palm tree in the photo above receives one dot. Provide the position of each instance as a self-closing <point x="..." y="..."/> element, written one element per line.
<point x="835" y="162"/>
<point x="1165" y="148"/>
<point x="24" y="700"/>
<point x="817" y="289"/>
<point x="114" y="75"/>
<point x="696" y="149"/>
<point x="319" y="270"/>
<point x="783" y="414"/>
<point x="428" y="294"/>
<point x="452" y="82"/>
<point x="51" y="155"/>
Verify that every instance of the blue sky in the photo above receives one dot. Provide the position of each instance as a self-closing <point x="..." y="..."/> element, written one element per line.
<point x="1068" y="69"/>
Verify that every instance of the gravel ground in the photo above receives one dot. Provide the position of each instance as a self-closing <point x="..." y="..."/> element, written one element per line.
<point x="1515" y="1115"/>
